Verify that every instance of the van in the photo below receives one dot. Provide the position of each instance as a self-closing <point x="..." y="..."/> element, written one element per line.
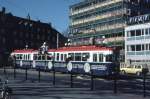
<point x="133" y="69"/>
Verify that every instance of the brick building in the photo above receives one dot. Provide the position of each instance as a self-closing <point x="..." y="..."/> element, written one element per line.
<point x="16" y="33"/>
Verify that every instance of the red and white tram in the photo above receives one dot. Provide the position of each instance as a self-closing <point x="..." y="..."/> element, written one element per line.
<point x="77" y="59"/>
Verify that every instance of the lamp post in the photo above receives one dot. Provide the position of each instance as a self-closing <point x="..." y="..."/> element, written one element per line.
<point x="42" y="51"/>
<point x="26" y="69"/>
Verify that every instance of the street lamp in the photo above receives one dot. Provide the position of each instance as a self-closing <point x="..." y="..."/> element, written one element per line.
<point x="26" y="46"/>
<point x="68" y="43"/>
<point x="43" y="49"/>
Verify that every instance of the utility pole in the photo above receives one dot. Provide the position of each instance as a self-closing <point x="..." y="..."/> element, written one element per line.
<point x="57" y="40"/>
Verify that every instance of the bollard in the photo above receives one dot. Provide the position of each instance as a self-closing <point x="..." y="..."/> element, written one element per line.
<point x="71" y="79"/>
<point x="92" y="80"/>
<point x="39" y="74"/>
<point x="4" y="70"/>
<point x="144" y="85"/>
<point x="53" y="76"/>
<point x="115" y="84"/>
<point x="14" y="72"/>
<point x="144" y="72"/>
<point x="26" y="73"/>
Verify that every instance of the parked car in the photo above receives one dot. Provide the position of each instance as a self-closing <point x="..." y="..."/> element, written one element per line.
<point x="133" y="69"/>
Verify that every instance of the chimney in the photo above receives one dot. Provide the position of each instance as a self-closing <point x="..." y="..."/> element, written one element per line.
<point x="3" y="10"/>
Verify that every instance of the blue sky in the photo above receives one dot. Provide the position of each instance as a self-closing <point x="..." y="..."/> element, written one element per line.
<point x="54" y="11"/>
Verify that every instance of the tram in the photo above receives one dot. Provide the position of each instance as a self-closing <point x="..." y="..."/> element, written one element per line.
<point x="76" y="59"/>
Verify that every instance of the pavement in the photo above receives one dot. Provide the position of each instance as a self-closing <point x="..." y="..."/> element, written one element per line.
<point x="103" y="89"/>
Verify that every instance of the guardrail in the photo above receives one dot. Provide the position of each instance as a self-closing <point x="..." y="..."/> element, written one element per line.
<point x="73" y="68"/>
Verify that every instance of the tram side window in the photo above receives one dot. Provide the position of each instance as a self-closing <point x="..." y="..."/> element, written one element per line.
<point x="57" y="56"/>
<point x="109" y="58"/>
<point x="20" y="56"/>
<point x="49" y="56"/>
<point x="94" y="57"/>
<point x="77" y="56"/>
<point x="16" y="56"/>
<point x="65" y="56"/>
<point x="85" y="56"/>
<point x="61" y="57"/>
<point x="39" y="57"/>
<point x="100" y="57"/>
<point x="28" y="56"/>
<point x="35" y="57"/>
<point x="71" y="55"/>
<point x="43" y="57"/>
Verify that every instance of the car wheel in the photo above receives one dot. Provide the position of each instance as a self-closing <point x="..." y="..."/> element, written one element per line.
<point x="138" y="73"/>
<point x="123" y="72"/>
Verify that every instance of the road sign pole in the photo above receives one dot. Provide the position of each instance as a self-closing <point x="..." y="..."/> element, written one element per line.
<point x="4" y="70"/>
<point x="26" y="73"/>
<point x="39" y="74"/>
<point x="53" y="73"/>
<point x="71" y="79"/>
<point x="92" y="80"/>
<point x="144" y="85"/>
<point x="115" y="83"/>
<point x="15" y="69"/>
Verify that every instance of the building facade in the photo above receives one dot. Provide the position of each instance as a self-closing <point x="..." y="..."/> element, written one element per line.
<point x="18" y="33"/>
<point x="103" y="21"/>
<point x="137" y="40"/>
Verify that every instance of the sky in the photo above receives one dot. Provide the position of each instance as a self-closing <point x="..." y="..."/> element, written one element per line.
<point x="55" y="12"/>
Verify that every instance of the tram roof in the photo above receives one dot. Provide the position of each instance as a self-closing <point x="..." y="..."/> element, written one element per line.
<point x="83" y="48"/>
<point x="24" y="51"/>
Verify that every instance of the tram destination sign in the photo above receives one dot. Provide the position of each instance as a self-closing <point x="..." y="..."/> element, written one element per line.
<point x="139" y="19"/>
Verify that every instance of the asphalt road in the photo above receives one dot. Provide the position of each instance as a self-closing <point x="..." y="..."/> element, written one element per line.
<point x="103" y="88"/>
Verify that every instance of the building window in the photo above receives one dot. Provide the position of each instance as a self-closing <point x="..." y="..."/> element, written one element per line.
<point x="143" y="47"/>
<point x="142" y="32"/>
<point x="138" y="32"/>
<point x="128" y="49"/>
<point x="132" y="33"/>
<point x="132" y="47"/>
<point x="146" y="31"/>
<point x="138" y="47"/>
<point x="128" y="34"/>
<point x="147" y="47"/>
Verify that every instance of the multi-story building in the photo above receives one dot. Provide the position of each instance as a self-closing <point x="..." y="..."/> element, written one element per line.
<point x="137" y="40"/>
<point x="103" y="21"/>
<point x="16" y="33"/>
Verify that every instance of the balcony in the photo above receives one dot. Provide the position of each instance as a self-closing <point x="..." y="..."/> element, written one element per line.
<point x="99" y="5"/>
<point x="106" y="16"/>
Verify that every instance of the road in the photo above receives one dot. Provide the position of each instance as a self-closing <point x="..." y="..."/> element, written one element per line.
<point x="103" y="88"/>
